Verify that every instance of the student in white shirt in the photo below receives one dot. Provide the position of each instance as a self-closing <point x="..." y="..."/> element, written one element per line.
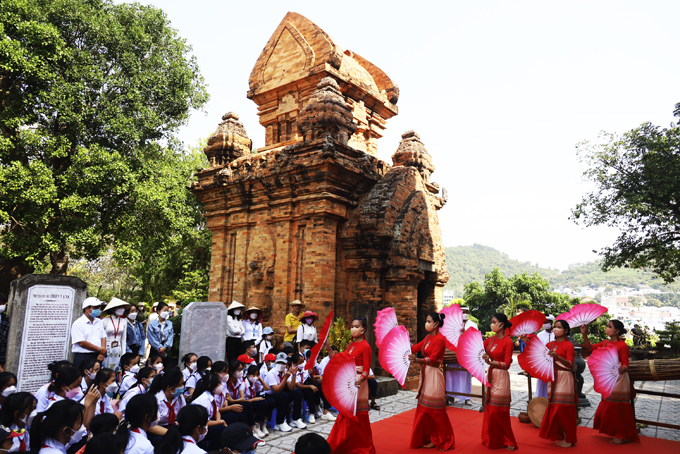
<point x="234" y="330"/>
<point x="15" y="414"/>
<point x="263" y="404"/>
<point x="169" y="392"/>
<point x="190" y="430"/>
<point x="231" y="413"/>
<point x="142" y="414"/>
<point x="307" y="330"/>
<point x="267" y="365"/>
<point x="105" y="382"/>
<point x="66" y="385"/>
<point x="190" y="370"/>
<point x="89" y="370"/>
<point x="266" y="345"/>
<point x="204" y="395"/>
<point x="88" y="338"/>
<point x="129" y="364"/>
<point x="282" y="389"/>
<point x="235" y="391"/>
<point x="58" y="428"/>
<point x="252" y="326"/>
<point x="144" y="378"/>
<point x="203" y="366"/>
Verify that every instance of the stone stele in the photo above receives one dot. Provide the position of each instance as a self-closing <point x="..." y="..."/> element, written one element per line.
<point x="204" y="330"/>
<point x="42" y="309"/>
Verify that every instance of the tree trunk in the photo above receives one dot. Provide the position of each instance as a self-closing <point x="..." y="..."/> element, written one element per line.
<point x="59" y="262"/>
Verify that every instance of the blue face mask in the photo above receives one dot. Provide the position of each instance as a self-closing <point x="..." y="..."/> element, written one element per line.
<point x="96" y="313"/>
<point x="110" y="395"/>
<point x="178" y="392"/>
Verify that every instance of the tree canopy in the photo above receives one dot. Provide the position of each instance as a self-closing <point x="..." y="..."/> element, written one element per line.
<point x="91" y="95"/>
<point x="638" y="191"/>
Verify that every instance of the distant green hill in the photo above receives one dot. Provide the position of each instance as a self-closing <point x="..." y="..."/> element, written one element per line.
<point x="470" y="263"/>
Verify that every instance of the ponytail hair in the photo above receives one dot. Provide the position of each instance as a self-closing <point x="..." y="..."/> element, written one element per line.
<point x="65" y="376"/>
<point x="49" y="423"/>
<point x="143" y="374"/>
<point x="618" y="325"/>
<point x="207" y="383"/>
<point x="219" y="367"/>
<point x="88" y="364"/>
<point x="139" y="407"/>
<point x="188" y="419"/>
<point x="437" y="318"/>
<point x="17" y="402"/>
<point x="202" y="364"/>
<point x="170" y="379"/>
<point x="502" y="318"/>
<point x="55" y="367"/>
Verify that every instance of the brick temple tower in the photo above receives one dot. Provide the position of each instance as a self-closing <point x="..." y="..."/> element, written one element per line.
<point x="315" y="215"/>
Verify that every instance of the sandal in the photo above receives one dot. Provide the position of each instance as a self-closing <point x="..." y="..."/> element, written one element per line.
<point x="375" y="406"/>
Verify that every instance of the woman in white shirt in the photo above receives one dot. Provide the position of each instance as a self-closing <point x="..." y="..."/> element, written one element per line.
<point x="65" y="386"/>
<point x="115" y="327"/>
<point x="58" y="428"/>
<point x="307" y="330"/>
<point x="204" y="395"/>
<point x="234" y="330"/>
<point x="190" y="370"/>
<point x="190" y="430"/>
<point x="16" y="412"/>
<point x="142" y="414"/>
<point x="252" y="326"/>
<point x="144" y="378"/>
<point x="89" y="369"/>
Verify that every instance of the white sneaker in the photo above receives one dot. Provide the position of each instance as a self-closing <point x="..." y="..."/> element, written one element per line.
<point x="257" y="432"/>
<point x="283" y="427"/>
<point x="311" y="419"/>
<point x="263" y="429"/>
<point x="328" y="417"/>
<point x="298" y="423"/>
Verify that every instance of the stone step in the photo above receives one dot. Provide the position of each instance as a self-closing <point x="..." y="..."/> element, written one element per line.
<point x="387" y="386"/>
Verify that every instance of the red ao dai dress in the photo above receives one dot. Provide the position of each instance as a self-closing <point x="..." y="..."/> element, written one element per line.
<point x="431" y="423"/>
<point x="496" y="429"/>
<point x="559" y="421"/>
<point x="354" y="435"/>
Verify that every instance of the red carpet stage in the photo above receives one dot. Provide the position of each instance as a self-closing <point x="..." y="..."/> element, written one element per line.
<point x="393" y="435"/>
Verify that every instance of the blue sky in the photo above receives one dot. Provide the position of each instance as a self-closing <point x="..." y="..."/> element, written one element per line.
<point x="500" y="93"/>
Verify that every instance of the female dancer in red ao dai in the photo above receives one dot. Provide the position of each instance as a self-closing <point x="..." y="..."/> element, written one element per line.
<point x="614" y="415"/>
<point x="348" y="435"/>
<point x="559" y="421"/>
<point x="496" y="429"/>
<point x="431" y="426"/>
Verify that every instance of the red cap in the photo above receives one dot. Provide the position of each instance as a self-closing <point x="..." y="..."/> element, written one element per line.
<point x="245" y="359"/>
<point x="270" y="357"/>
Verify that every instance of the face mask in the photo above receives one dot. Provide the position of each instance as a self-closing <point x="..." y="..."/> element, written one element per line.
<point x="178" y="392"/>
<point x="164" y="315"/>
<point x="206" y="370"/>
<point x="192" y="367"/>
<point x="31" y="417"/>
<point x="218" y="390"/>
<point x="253" y="316"/>
<point x="251" y="353"/>
<point x="92" y="375"/>
<point x="309" y="321"/>
<point x="158" y="367"/>
<point x="202" y="436"/>
<point x="237" y="311"/>
<point x="2" y="308"/>
<point x="269" y="338"/>
<point x="120" y="312"/>
<point x="547" y="325"/>
<point x="111" y="390"/>
<point x="239" y="374"/>
<point x="71" y="393"/>
<point x="134" y="369"/>
<point x="132" y="316"/>
<point x="9" y="391"/>
<point x="252" y="379"/>
<point x="280" y="367"/>
<point x="224" y="378"/>
<point x="96" y="313"/>
<point x="305" y="350"/>
<point x="356" y="332"/>
<point x="465" y="317"/>
<point x="77" y="434"/>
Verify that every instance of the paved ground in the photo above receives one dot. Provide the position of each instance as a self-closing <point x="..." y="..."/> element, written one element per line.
<point x="662" y="409"/>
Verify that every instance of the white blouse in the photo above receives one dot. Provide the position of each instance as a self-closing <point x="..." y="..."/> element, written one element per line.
<point x="190" y="446"/>
<point x="138" y="443"/>
<point x="234" y="327"/>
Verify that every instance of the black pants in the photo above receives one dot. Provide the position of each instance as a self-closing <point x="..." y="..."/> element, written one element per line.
<point x="372" y="388"/>
<point x="233" y="348"/>
<point x="246" y="416"/>
<point x="295" y="397"/>
<point x="320" y="398"/>
<point x="80" y="358"/>
<point x="262" y="409"/>
<point x="281" y="404"/>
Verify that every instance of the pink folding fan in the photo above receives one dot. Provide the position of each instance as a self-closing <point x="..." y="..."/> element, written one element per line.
<point x="385" y="320"/>
<point x="453" y="325"/>
<point x="394" y="353"/>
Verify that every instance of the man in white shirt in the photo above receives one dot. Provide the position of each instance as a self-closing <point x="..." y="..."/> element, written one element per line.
<point x="545" y="336"/>
<point x="456" y="380"/>
<point x="88" y="339"/>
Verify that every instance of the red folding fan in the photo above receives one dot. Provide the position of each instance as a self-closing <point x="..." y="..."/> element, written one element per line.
<point x="526" y="323"/>
<point x="323" y="336"/>
<point x="394" y="353"/>
<point x="536" y="360"/>
<point x="339" y="384"/>
<point x="453" y="325"/>
<point x="604" y="367"/>
<point x="385" y="320"/>
<point x="582" y="314"/>
<point x="469" y="353"/>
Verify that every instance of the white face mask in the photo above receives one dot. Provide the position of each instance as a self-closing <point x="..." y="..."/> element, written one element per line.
<point x="134" y="369"/>
<point x="218" y="390"/>
<point x="158" y="367"/>
<point x="120" y="312"/>
<point x="465" y="317"/>
<point x="202" y="436"/>
<point x="164" y="315"/>
<point x="9" y="391"/>
<point x="192" y="367"/>
<point x="253" y="316"/>
<point x="112" y="388"/>
<point x="132" y="316"/>
<point x="237" y="311"/>
<point x="77" y="434"/>
<point x="309" y="321"/>
<point x="92" y="375"/>
<point x="2" y="308"/>
<point x="547" y="325"/>
<point x="280" y="367"/>
<point x="252" y="379"/>
<point x="269" y="338"/>
<point x="239" y="374"/>
<point x="31" y="417"/>
<point x="224" y="378"/>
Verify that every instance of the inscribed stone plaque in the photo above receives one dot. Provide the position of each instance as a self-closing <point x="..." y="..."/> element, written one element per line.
<point x="204" y="330"/>
<point x="41" y="311"/>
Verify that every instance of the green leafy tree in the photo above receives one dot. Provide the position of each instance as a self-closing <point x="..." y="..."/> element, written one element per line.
<point x="637" y="177"/>
<point x="91" y="94"/>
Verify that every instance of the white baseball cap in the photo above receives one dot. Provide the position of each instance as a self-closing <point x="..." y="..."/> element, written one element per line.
<point x="92" y="301"/>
